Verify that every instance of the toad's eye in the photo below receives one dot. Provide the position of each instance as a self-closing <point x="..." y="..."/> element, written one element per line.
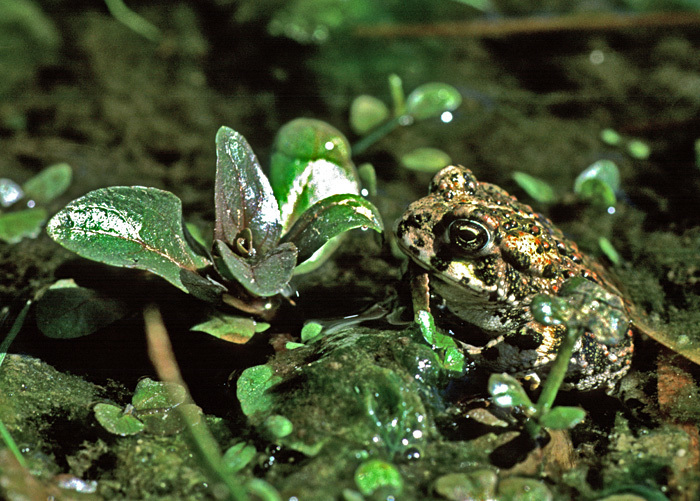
<point x="467" y="235"/>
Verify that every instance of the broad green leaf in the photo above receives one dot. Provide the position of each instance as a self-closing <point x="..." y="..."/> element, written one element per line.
<point x="134" y="227"/>
<point x="366" y="113"/>
<point x="536" y="188"/>
<point x="243" y="197"/>
<point x="72" y="312"/>
<point x="330" y="217"/>
<point x="151" y="394"/>
<point x="232" y="328"/>
<point x="426" y="160"/>
<point x="432" y="99"/>
<point x="27" y="223"/>
<point x="310" y="162"/>
<point x="506" y="391"/>
<point x="252" y="386"/>
<point x="116" y="421"/>
<point x="604" y="170"/>
<point x="263" y="276"/>
<point x="562" y="417"/>
<point x="50" y="183"/>
<point x="238" y="456"/>
<point x="375" y="474"/>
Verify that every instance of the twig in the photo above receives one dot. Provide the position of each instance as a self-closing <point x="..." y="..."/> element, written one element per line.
<point x="204" y="445"/>
<point x="532" y="25"/>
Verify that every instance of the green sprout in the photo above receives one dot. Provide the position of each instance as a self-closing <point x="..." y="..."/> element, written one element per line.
<point x="37" y="192"/>
<point x="371" y="118"/>
<point x="264" y="228"/>
<point x="582" y="306"/>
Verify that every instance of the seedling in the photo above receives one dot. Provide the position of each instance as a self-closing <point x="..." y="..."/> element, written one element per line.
<point x="258" y="239"/>
<point x="582" y="306"/>
<point x="371" y="118"/>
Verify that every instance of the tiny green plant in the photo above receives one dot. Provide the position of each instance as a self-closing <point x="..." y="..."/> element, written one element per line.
<point x="582" y="306"/>
<point x="26" y="222"/>
<point x="372" y="119"/>
<point x="262" y="231"/>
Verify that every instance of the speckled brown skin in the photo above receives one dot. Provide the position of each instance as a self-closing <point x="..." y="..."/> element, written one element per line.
<point x="487" y="256"/>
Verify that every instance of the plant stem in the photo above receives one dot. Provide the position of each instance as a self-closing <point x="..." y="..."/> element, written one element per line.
<point x="14" y="330"/>
<point x="204" y="445"/>
<point x="12" y="445"/>
<point x="556" y="373"/>
<point x="374" y="136"/>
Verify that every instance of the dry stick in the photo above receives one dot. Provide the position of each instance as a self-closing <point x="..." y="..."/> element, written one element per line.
<point x="531" y="25"/>
<point x="160" y="351"/>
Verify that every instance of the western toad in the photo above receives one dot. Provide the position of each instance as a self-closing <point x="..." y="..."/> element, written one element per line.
<point x="484" y="256"/>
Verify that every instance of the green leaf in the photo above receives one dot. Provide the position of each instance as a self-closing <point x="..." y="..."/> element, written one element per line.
<point x="562" y="417"/>
<point x="522" y="489"/>
<point x="330" y="217"/>
<point x="638" y="149"/>
<point x="264" y="276"/>
<point x="368" y="176"/>
<point x="426" y="160"/>
<point x="310" y="162"/>
<point x="375" y="474"/>
<point x="252" y="386"/>
<point x="170" y="421"/>
<point x="72" y="312"/>
<point x="366" y="113"/>
<point x="609" y="250"/>
<point x="598" y="192"/>
<point x="238" y="456"/>
<point x="506" y="391"/>
<point x="116" y="421"/>
<point x="151" y="394"/>
<point x="604" y="170"/>
<point x="50" y="183"/>
<point x="134" y="227"/>
<point x="610" y="136"/>
<point x="536" y="188"/>
<point x="231" y="328"/>
<point x="310" y="331"/>
<point x="431" y="100"/>
<point x="243" y="197"/>
<point x="277" y="426"/>
<point x="14" y="226"/>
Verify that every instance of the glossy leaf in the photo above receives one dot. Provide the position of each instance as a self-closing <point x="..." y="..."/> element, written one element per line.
<point x="243" y="196"/>
<point x="150" y="394"/>
<point x="72" y="312"/>
<point x="431" y="100"/>
<point x="426" y="160"/>
<point x="506" y="391"/>
<point x="232" y="328"/>
<point x="604" y="170"/>
<point x="562" y="417"/>
<point x="134" y="227"/>
<point x="27" y="223"/>
<point x="310" y="331"/>
<point x="598" y="192"/>
<point x="50" y="183"/>
<point x="310" y="162"/>
<point x="366" y="113"/>
<point x="252" y="386"/>
<point x="536" y="188"/>
<point x="116" y="421"/>
<point x="330" y="217"/>
<point x="263" y="276"/>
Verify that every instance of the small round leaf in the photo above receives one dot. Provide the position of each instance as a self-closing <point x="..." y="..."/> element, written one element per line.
<point x="366" y="113"/>
<point x="114" y="420"/>
<point x="431" y="100"/>
<point x="426" y="160"/>
<point x="375" y="474"/>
